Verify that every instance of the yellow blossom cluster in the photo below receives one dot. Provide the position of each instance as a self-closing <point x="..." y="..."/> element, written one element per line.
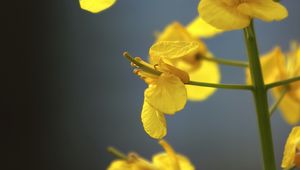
<point x="179" y="56"/>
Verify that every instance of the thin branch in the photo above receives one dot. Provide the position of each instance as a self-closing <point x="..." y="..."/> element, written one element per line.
<point x="227" y="62"/>
<point x="276" y="104"/>
<point x="282" y="82"/>
<point x="222" y="86"/>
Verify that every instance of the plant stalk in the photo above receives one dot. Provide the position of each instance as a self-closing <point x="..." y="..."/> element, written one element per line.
<point x="260" y="99"/>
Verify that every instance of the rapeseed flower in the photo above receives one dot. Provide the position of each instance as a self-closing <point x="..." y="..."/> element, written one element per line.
<point x="197" y="68"/>
<point x="166" y="92"/>
<point x="237" y="14"/>
<point x="277" y="66"/>
<point x="168" y="160"/>
<point x="291" y="155"/>
<point x="96" y="6"/>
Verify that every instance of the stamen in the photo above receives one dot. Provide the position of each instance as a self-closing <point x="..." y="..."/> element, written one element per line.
<point x="139" y="63"/>
<point x="133" y="65"/>
<point x="136" y="71"/>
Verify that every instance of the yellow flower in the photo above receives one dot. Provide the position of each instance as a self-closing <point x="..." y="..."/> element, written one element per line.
<point x="134" y="162"/>
<point x="168" y="160"/>
<point x="166" y="93"/>
<point x="198" y="69"/>
<point x="277" y="66"/>
<point x="291" y="155"/>
<point x="237" y="14"/>
<point x="96" y="6"/>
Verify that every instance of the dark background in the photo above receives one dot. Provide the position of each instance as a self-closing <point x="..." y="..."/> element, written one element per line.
<point x="68" y="93"/>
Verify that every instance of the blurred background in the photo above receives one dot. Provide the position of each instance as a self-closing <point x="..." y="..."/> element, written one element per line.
<point x="69" y="93"/>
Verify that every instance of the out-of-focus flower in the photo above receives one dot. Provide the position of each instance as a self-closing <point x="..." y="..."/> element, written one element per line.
<point x="277" y="66"/>
<point x="133" y="162"/>
<point x="166" y="93"/>
<point x="200" y="28"/>
<point x="96" y="6"/>
<point x="168" y="160"/>
<point x="237" y="14"/>
<point x="291" y="155"/>
<point x="192" y="63"/>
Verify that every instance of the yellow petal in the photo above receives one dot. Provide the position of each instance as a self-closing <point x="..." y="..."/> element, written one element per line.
<point x="290" y="148"/>
<point x="222" y="16"/>
<point x="207" y="72"/>
<point x="199" y="28"/>
<point x="120" y="165"/>
<point x="167" y="94"/>
<point x="96" y="6"/>
<point x="289" y="107"/>
<point x="170" y="160"/>
<point x="153" y="121"/>
<point x="177" y="32"/>
<point x="173" y="49"/>
<point x="266" y="10"/>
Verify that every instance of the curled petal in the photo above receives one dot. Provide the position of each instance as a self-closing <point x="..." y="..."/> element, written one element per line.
<point x="96" y="6"/>
<point x="153" y="121"/>
<point x="167" y="94"/>
<point x="164" y="67"/>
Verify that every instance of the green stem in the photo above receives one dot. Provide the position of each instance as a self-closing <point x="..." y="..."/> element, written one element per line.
<point x="260" y="98"/>
<point x="223" y="86"/>
<point x="283" y="82"/>
<point x="276" y="104"/>
<point x="227" y="62"/>
<point x="116" y="153"/>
